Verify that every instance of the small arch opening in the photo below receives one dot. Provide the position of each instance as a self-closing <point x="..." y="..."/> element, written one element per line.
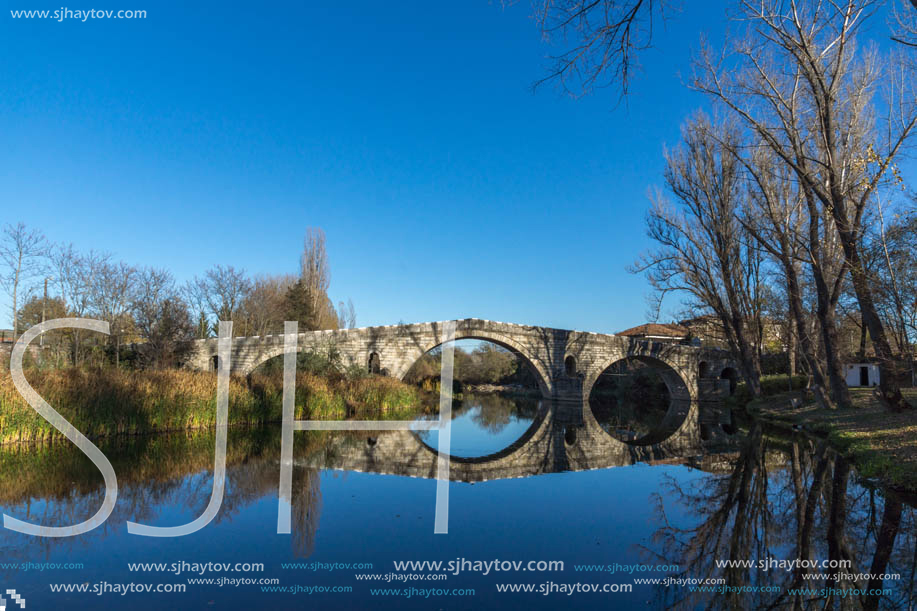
<point x="569" y="435"/>
<point x="375" y="364"/>
<point x="733" y="376"/>
<point x="215" y="363"/>
<point x="570" y="366"/>
<point x="703" y="370"/>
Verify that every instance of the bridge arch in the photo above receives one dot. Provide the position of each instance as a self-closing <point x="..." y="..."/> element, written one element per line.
<point x="671" y="374"/>
<point x="680" y="417"/>
<point x="541" y="372"/>
<point x="266" y="355"/>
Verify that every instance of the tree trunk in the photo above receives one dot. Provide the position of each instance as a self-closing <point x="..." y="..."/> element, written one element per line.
<point x="889" y="383"/>
<point x="837" y="546"/>
<point x="15" y="297"/>
<point x="791" y="347"/>
<point x="888" y="531"/>
<point x="839" y="390"/>
<point x="809" y="351"/>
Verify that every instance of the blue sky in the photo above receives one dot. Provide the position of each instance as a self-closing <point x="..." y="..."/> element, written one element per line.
<point x="216" y="133"/>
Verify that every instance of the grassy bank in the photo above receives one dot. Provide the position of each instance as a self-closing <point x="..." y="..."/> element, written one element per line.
<point x="103" y="403"/>
<point x="881" y="444"/>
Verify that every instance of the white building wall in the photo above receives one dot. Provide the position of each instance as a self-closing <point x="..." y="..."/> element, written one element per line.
<point x="854" y="375"/>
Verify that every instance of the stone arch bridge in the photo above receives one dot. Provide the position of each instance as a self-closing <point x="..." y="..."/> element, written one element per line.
<point x="566" y="363"/>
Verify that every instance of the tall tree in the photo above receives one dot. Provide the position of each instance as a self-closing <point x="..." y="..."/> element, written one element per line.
<point x="298" y="306"/>
<point x="347" y="315"/>
<point x="162" y="318"/>
<point x="778" y="219"/>
<point x="111" y="293"/>
<point x="265" y="304"/>
<point x="74" y="274"/>
<point x="704" y="251"/>
<point x="316" y="276"/>
<point x="798" y="85"/>
<point x="23" y="253"/>
<point x="222" y="291"/>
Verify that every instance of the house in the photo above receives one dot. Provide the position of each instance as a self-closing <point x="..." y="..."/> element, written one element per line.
<point x="709" y="329"/>
<point x="657" y="332"/>
<point x="861" y="374"/>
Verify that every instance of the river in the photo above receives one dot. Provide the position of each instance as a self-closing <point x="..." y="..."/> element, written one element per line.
<point x="531" y="482"/>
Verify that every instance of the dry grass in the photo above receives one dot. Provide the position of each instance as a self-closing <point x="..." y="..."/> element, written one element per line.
<point x="103" y="403"/>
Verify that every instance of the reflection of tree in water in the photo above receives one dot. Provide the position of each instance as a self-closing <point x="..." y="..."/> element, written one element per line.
<point x="306" y="510"/>
<point x="494" y="412"/>
<point x="154" y="473"/>
<point x="785" y="500"/>
<point x="629" y="400"/>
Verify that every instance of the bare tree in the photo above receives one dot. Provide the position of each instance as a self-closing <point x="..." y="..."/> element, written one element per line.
<point x="194" y="293"/>
<point x="777" y="217"/>
<point x="606" y="35"/>
<point x="314" y="268"/>
<point x="895" y="245"/>
<point x="904" y="22"/>
<point x="161" y="317"/>
<point x="704" y="251"/>
<point x="74" y="274"/>
<point x="264" y="305"/>
<point x="222" y="290"/>
<point x="23" y="253"/>
<point x="798" y="85"/>
<point x="602" y="38"/>
<point x="111" y="293"/>
<point x="347" y="315"/>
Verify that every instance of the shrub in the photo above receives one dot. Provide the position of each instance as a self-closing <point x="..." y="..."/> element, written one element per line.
<point x="770" y="385"/>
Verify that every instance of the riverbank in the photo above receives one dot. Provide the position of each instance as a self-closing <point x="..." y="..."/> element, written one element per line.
<point x="510" y="390"/>
<point x="881" y="444"/>
<point x="103" y="403"/>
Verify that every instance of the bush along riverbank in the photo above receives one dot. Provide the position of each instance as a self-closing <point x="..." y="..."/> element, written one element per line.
<point x="102" y="403"/>
<point x="882" y="445"/>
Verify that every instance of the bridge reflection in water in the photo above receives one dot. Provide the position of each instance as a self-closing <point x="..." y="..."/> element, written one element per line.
<point x="562" y="437"/>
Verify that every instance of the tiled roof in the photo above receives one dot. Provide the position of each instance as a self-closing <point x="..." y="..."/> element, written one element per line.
<point x="656" y="330"/>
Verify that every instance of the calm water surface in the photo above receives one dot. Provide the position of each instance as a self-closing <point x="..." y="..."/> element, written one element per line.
<point x="532" y="481"/>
